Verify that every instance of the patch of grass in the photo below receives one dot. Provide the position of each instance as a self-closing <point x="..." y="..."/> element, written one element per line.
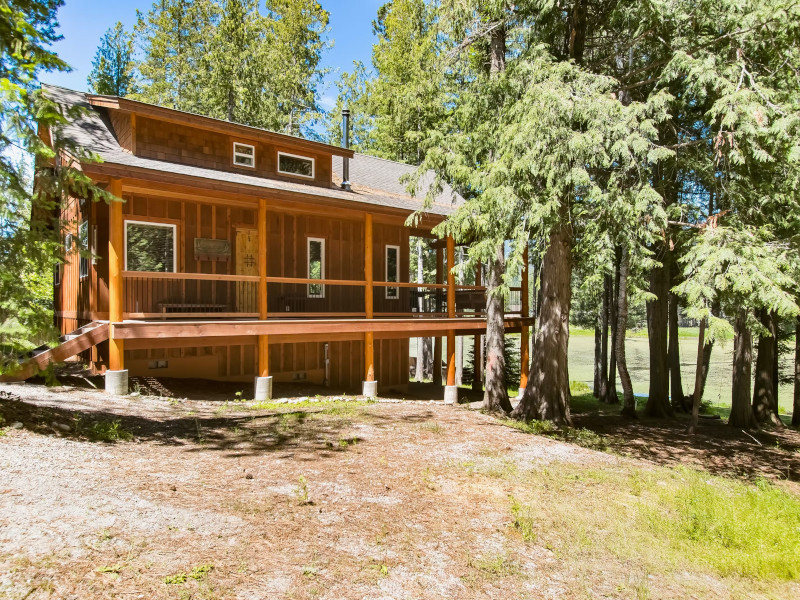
<point x="345" y="443"/>
<point x="494" y="565"/>
<point x="197" y="573"/>
<point x="433" y="427"/>
<point x="580" y="436"/>
<point x="108" y="431"/>
<point x="301" y="491"/>
<point x="579" y="387"/>
<point x="658" y="520"/>
<point x="114" y="569"/>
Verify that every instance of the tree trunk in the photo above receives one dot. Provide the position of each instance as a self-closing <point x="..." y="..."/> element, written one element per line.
<point x="701" y="341"/>
<point x="678" y="398"/>
<point x="796" y="405"/>
<point x="598" y="353"/>
<point x="613" y="396"/>
<point x="628" y="400"/>
<point x="715" y="311"/>
<point x="765" y="403"/>
<point x="657" y="325"/>
<point x="427" y="358"/>
<point x="495" y="398"/>
<point x="546" y="396"/>
<point x="741" y="412"/>
<point x="603" y="395"/>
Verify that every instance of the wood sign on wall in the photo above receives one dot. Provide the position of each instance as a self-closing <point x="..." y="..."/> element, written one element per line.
<point x="208" y="249"/>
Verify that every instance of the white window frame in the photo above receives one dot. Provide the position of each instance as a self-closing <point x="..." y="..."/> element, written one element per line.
<point x="249" y="156"/>
<point x="313" y="165"/>
<point x="309" y="293"/>
<point x="153" y="224"/>
<point x="83" y="260"/>
<point x="397" y="275"/>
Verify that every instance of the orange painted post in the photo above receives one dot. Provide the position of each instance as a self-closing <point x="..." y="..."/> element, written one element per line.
<point x="263" y="340"/>
<point x="370" y="385"/>
<point x="116" y="378"/>
<point x="451" y="311"/>
<point x="437" y="341"/>
<point x="116" y="360"/>
<point x="524" y="358"/>
<point x="451" y="390"/>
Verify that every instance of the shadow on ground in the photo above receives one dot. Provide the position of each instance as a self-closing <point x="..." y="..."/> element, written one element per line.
<point x="773" y="453"/>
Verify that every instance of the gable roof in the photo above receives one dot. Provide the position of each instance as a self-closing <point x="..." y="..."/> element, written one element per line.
<point x="374" y="181"/>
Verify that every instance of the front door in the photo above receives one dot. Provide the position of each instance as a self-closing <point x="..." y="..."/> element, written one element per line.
<point x="247" y="264"/>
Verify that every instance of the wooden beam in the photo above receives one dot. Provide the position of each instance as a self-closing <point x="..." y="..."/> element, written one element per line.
<point x="451" y="311"/>
<point x="369" y="336"/>
<point x="524" y="338"/>
<point x="298" y="328"/>
<point x="263" y="340"/>
<point x="116" y="290"/>
<point x="437" y="340"/>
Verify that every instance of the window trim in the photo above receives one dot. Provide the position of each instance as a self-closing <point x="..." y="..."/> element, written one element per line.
<point x="152" y="224"/>
<point x="397" y="274"/>
<point x="236" y="154"/>
<point x="309" y="293"/>
<point x="313" y="165"/>
<point x="83" y="260"/>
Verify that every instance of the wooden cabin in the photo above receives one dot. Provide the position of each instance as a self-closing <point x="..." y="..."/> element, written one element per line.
<point x="237" y="253"/>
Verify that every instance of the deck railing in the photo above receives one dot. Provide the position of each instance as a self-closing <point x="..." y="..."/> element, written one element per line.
<point x="193" y="295"/>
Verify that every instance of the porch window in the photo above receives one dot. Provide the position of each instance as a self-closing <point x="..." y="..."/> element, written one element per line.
<point x="292" y="164"/>
<point x="244" y="155"/>
<point x="316" y="266"/>
<point x="83" y="247"/>
<point x="392" y="268"/>
<point x="150" y="247"/>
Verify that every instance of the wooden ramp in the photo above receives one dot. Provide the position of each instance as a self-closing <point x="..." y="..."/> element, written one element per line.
<point x="68" y="346"/>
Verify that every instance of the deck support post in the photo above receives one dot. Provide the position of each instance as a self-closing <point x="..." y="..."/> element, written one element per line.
<point x="436" y="377"/>
<point x="116" y="379"/>
<point x="524" y="338"/>
<point x="451" y="390"/>
<point x="370" y="386"/>
<point x="477" y="346"/>
<point x="263" y="384"/>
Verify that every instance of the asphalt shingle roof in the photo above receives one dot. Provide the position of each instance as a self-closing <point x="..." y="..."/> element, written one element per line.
<point x="374" y="180"/>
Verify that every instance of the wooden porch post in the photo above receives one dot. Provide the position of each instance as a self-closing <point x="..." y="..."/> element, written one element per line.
<point x="370" y="386"/>
<point x="116" y="377"/>
<point x="116" y="360"/>
<point x="437" y="341"/>
<point x="524" y="358"/>
<point x="477" y="347"/>
<point x="263" y="340"/>
<point x="451" y="312"/>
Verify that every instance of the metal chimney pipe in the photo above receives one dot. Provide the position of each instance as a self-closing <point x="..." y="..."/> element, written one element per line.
<point x="346" y="144"/>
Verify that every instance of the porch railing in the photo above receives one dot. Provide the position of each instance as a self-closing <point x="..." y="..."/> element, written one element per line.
<point x="192" y="295"/>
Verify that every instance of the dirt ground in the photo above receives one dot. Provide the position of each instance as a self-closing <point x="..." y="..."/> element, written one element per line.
<point x="340" y="499"/>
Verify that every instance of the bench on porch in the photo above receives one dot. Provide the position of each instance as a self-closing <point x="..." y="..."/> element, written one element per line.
<point x="189" y="307"/>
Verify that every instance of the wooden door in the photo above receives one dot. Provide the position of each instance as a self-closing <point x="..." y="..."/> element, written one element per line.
<point x="247" y="264"/>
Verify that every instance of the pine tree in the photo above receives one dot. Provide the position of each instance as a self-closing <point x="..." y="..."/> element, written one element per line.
<point x="113" y="64"/>
<point x="295" y="44"/>
<point x="175" y="38"/>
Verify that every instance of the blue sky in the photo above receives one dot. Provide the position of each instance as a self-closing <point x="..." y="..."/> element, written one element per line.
<point x="83" y="22"/>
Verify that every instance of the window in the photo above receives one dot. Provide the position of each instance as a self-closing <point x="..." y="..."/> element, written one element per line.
<point x="291" y="164"/>
<point x="57" y="274"/>
<point x="83" y="247"/>
<point x="150" y="247"/>
<point x="316" y="266"/>
<point x="392" y="269"/>
<point x="244" y="155"/>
